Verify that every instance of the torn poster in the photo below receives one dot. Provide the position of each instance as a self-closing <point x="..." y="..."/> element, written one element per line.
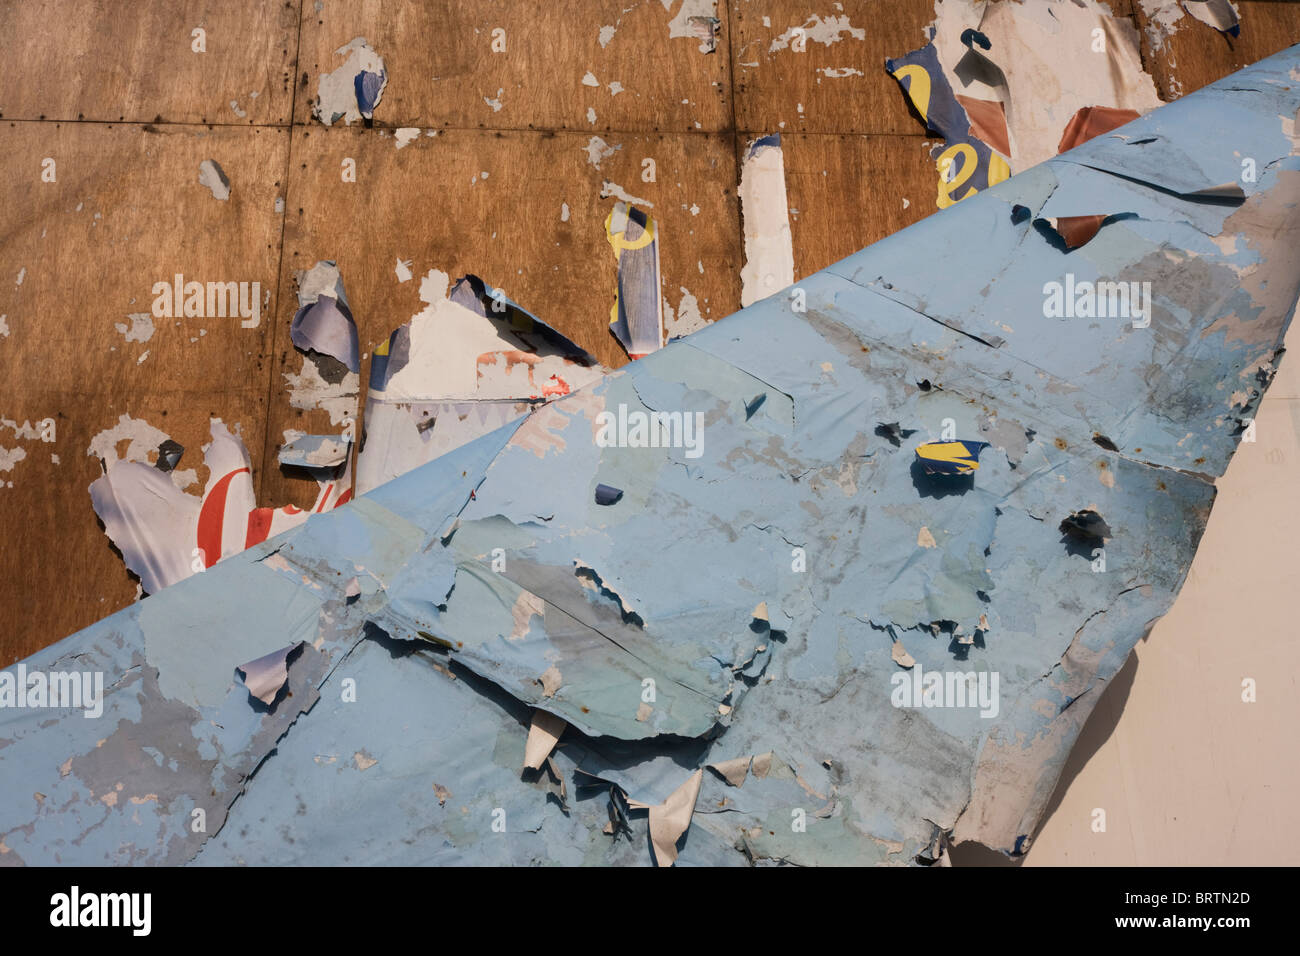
<point x="637" y="316"/>
<point x="965" y="160"/>
<point x="769" y="252"/>
<point x="166" y="534"/>
<point x="906" y="659"/>
<point x="1163" y="17"/>
<point x="695" y="20"/>
<point x="324" y="333"/>
<point x="1001" y="82"/>
<point x="514" y="363"/>
<point x="465" y="365"/>
<point x="354" y="89"/>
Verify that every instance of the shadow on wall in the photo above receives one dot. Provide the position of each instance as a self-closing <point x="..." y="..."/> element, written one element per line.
<point x="1096" y="731"/>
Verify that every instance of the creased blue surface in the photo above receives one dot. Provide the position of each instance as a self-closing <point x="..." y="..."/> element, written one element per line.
<point x="759" y="589"/>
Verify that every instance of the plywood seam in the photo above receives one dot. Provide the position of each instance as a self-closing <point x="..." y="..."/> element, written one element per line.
<point x="271" y="366"/>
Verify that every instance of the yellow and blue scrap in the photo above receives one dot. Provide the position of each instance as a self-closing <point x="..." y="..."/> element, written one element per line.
<point x="950" y="457"/>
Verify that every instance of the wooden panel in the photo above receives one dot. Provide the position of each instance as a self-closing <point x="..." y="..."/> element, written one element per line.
<point x="442" y="68"/>
<point x="126" y="211"/>
<point x="1197" y="54"/>
<point x="846" y="192"/>
<point x="491" y="204"/>
<point x="134" y="61"/>
<point x="784" y="90"/>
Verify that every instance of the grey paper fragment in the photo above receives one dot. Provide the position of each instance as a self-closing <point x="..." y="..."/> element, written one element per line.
<point x="214" y="177"/>
<point x="266" y="676"/>
<point x="323" y="322"/>
<point x="315" y="451"/>
<point x="607" y="494"/>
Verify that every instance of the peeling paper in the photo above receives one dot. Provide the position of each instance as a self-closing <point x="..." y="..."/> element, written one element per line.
<point x="543" y="734"/>
<point x="610" y="189"/>
<point x="670" y="819"/>
<point x="323" y="322"/>
<point x="551" y="679"/>
<point x="465" y="365"/>
<point x="268" y="675"/>
<point x="1220" y="14"/>
<point x="141" y="437"/>
<point x="1090" y="121"/>
<point x="354" y="89"/>
<point x="695" y="20"/>
<point x="898" y="654"/>
<point x="164" y="534"/>
<point x="1001" y="83"/>
<point x="10" y="457"/>
<point x="314" y="451"/>
<point x="325" y="335"/>
<point x="734" y="771"/>
<point x="598" y="150"/>
<point x="1163" y="18"/>
<point x="636" y="318"/>
<point x="214" y="178"/>
<point x="818" y="29"/>
<point x="769" y="252"/>
<point x="685" y="319"/>
<point x="141" y="328"/>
